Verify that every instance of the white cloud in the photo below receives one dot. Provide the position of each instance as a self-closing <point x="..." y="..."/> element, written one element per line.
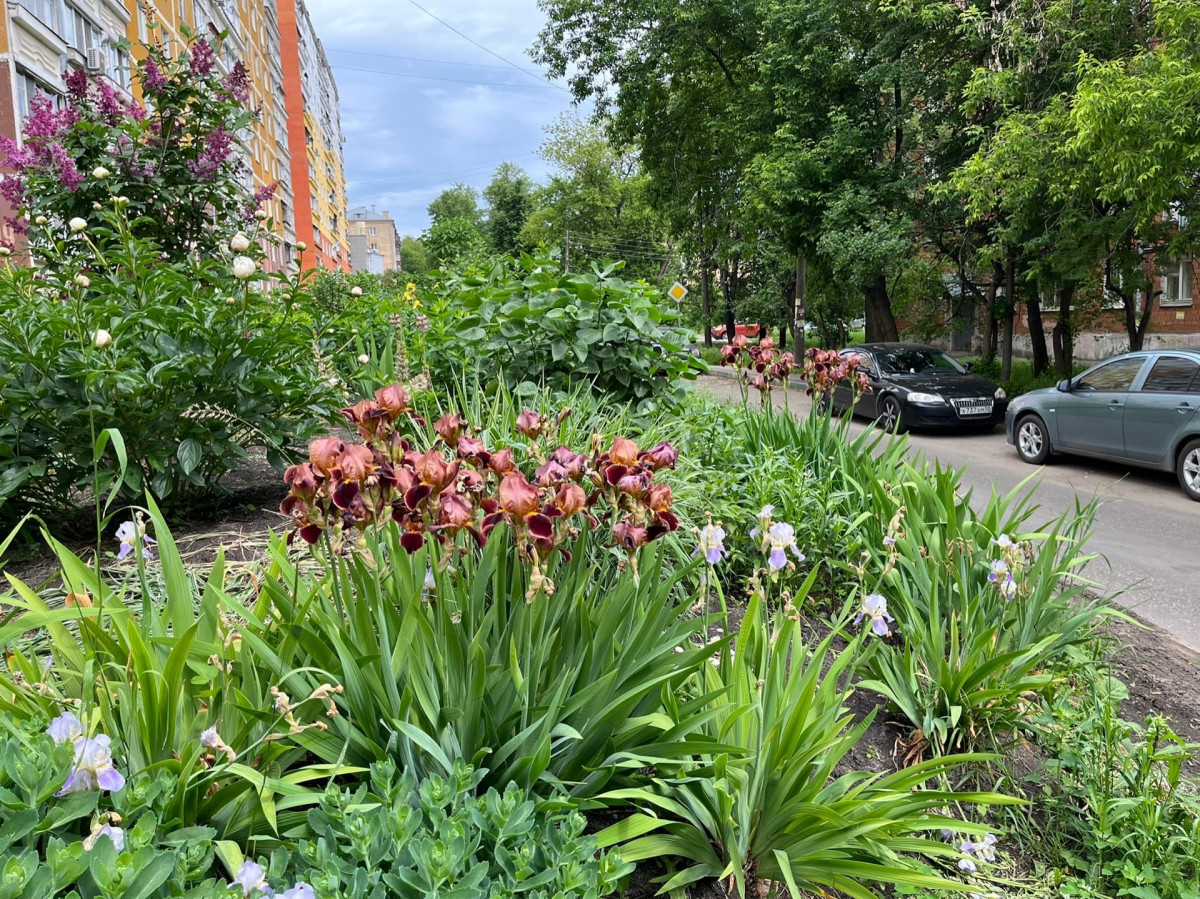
<point x="408" y="138"/>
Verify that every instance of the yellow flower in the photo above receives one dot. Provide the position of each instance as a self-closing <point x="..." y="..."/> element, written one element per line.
<point x="416" y="304"/>
<point x="410" y="287"/>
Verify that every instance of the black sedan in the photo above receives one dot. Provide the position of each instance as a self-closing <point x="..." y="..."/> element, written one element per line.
<point x="914" y="386"/>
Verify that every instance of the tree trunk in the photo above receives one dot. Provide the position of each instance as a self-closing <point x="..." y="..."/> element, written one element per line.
<point x="798" y="335"/>
<point x="1037" y="333"/>
<point x="728" y="289"/>
<point x="706" y="299"/>
<point x="881" y="323"/>
<point x="788" y="291"/>
<point x="988" y="350"/>
<point x="1064" y="337"/>
<point x="1010" y="314"/>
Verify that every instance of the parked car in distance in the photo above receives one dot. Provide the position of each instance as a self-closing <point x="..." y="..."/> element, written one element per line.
<point x="1142" y="409"/>
<point x="915" y="386"/>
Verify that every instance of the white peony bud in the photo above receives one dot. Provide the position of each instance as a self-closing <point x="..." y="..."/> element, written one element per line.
<point x="356" y="291"/>
<point x="301" y="246"/>
<point x="229" y="301"/>
<point x="102" y="339"/>
<point x="5" y="251"/>
<point x="363" y="359"/>
<point x="260" y="214"/>
<point x="240" y="243"/>
<point x="120" y="201"/>
<point x="97" y="206"/>
<point x="243" y="267"/>
<point x="40" y="220"/>
<point x="77" y="224"/>
<point x="83" y="280"/>
<point x="100" y="173"/>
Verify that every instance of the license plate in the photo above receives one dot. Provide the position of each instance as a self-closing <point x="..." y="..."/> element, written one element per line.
<point x="974" y="407"/>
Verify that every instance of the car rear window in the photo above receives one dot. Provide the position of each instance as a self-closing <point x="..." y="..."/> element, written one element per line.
<point x="1172" y="374"/>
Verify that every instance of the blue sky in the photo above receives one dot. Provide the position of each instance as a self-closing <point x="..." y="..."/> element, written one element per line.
<point x="409" y="138"/>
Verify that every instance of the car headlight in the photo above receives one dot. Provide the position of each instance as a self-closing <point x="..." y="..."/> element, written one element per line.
<point x="926" y="399"/>
<point x="1000" y="394"/>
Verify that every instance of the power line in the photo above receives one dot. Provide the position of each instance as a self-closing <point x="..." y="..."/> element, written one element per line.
<point x="486" y="50"/>
<point x="420" y="176"/>
<point x="441" y="62"/>
<point x="452" y="80"/>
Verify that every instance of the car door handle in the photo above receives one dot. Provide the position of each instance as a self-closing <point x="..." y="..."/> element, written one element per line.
<point x="1115" y="405"/>
<point x="1183" y="408"/>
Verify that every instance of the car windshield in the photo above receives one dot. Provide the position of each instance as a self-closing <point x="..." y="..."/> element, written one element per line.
<point x="916" y="361"/>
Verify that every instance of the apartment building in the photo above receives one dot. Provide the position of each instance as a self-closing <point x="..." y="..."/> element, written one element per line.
<point x="42" y="39"/>
<point x="315" y="139"/>
<point x="374" y="243"/>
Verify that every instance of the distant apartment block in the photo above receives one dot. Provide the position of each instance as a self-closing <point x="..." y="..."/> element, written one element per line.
<point x="42" y="39"/>
<point x="374" y="243"/>
<point x="315" y="139"/>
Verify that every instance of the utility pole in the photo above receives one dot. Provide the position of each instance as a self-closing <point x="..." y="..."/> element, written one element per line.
<point x="798" y="335"/>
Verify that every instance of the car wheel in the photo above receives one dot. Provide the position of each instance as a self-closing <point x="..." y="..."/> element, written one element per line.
<point x="1188" y="469"/>
<point x="1033" y="441"/>
<point x="891" y="417"/>
<point x="826" y="406"/>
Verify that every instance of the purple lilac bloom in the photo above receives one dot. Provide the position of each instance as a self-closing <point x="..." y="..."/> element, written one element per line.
<point x="874" y="607"/>
<point x="213" y="156"/>
<point x="153" y="80"/>
<point x="237" y="82"/>
<point x="203" y="58"/>
<point x="251" y="877"/>
<point x="712" y="544"/>
<point x="77" y="84"/>
<point x="93" y="767"/>
<point x="66" y="728"/>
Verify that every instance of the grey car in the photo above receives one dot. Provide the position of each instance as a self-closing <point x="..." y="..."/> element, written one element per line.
<point x="1142" y="409"/>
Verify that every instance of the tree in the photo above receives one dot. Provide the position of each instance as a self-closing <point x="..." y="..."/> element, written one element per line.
<point x="596" y="204"/>
<point x="459" y="201"/>
<point x="451" y="241"/>
<point x="509" y="198"/>
<point x="414" y="258"/>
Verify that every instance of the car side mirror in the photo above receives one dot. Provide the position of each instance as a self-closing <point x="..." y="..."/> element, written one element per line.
<point x="1064" y="386"/>
<point x="968" y="367"/>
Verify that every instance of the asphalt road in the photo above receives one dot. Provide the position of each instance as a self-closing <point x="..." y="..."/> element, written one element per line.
<point x="1147" y="532"/>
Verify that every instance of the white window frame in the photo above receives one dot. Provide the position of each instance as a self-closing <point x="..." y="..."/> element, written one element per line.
<point x="1181" y="273"/>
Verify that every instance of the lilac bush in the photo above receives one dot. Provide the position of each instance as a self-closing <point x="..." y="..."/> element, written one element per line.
<point x="99" y="145"/>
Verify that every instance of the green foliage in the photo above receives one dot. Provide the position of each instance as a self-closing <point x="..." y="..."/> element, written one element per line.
<point x="551" y="694"/>
<point x="195" y="367"/>
<point x="459" y="201"/>
<point x="769" y="804"/>
<point x="509" y="197"/>
<point x="1119" y="810"/>
<point x="395" y="837"/>
<point x="538" y="324"/>
<point x="414" y="258"/>
<point x="1022" y="380"/>
<point x="454" y="241"/>
<point x="52" y="845"/>
<point x="970" y="652"/>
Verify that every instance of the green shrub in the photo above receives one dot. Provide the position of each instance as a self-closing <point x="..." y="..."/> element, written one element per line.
<point x="535" y="323"/>
<point x="1117" y="808"/>
<point x="195" y="367"/>
<point x="768" y="804"/>
<point x="399" y="838"/>
<point x="985" y="610"/>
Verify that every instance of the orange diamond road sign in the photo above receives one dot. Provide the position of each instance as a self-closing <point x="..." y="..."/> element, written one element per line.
<point x="677" y="292"/>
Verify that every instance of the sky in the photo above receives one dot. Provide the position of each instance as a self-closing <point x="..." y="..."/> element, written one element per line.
<point x="408" y="138"/>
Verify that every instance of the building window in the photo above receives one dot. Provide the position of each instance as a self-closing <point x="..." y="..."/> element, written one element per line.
<point x="1177" y="283"/>
<point x="143" y="31"/>
<point x="46" y="11"/>
<point x="119" y="62"/>
<point x="371" y="231"/>
<point x="80" y="32"/>
<point x="29" y="87"/>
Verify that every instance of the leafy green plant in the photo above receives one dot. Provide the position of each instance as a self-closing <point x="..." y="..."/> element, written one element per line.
<point x="443" y="657"/>
<point x="767" y="804"/>
<point x="536" y="323"/>
<point x="397" y="837"/>
<point x="154" y="660"/>
<point x="1118" y="809"/>
<point x="83" y="844"/>
<point x="985" y="611"/>
<point x="193" y="365"/>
